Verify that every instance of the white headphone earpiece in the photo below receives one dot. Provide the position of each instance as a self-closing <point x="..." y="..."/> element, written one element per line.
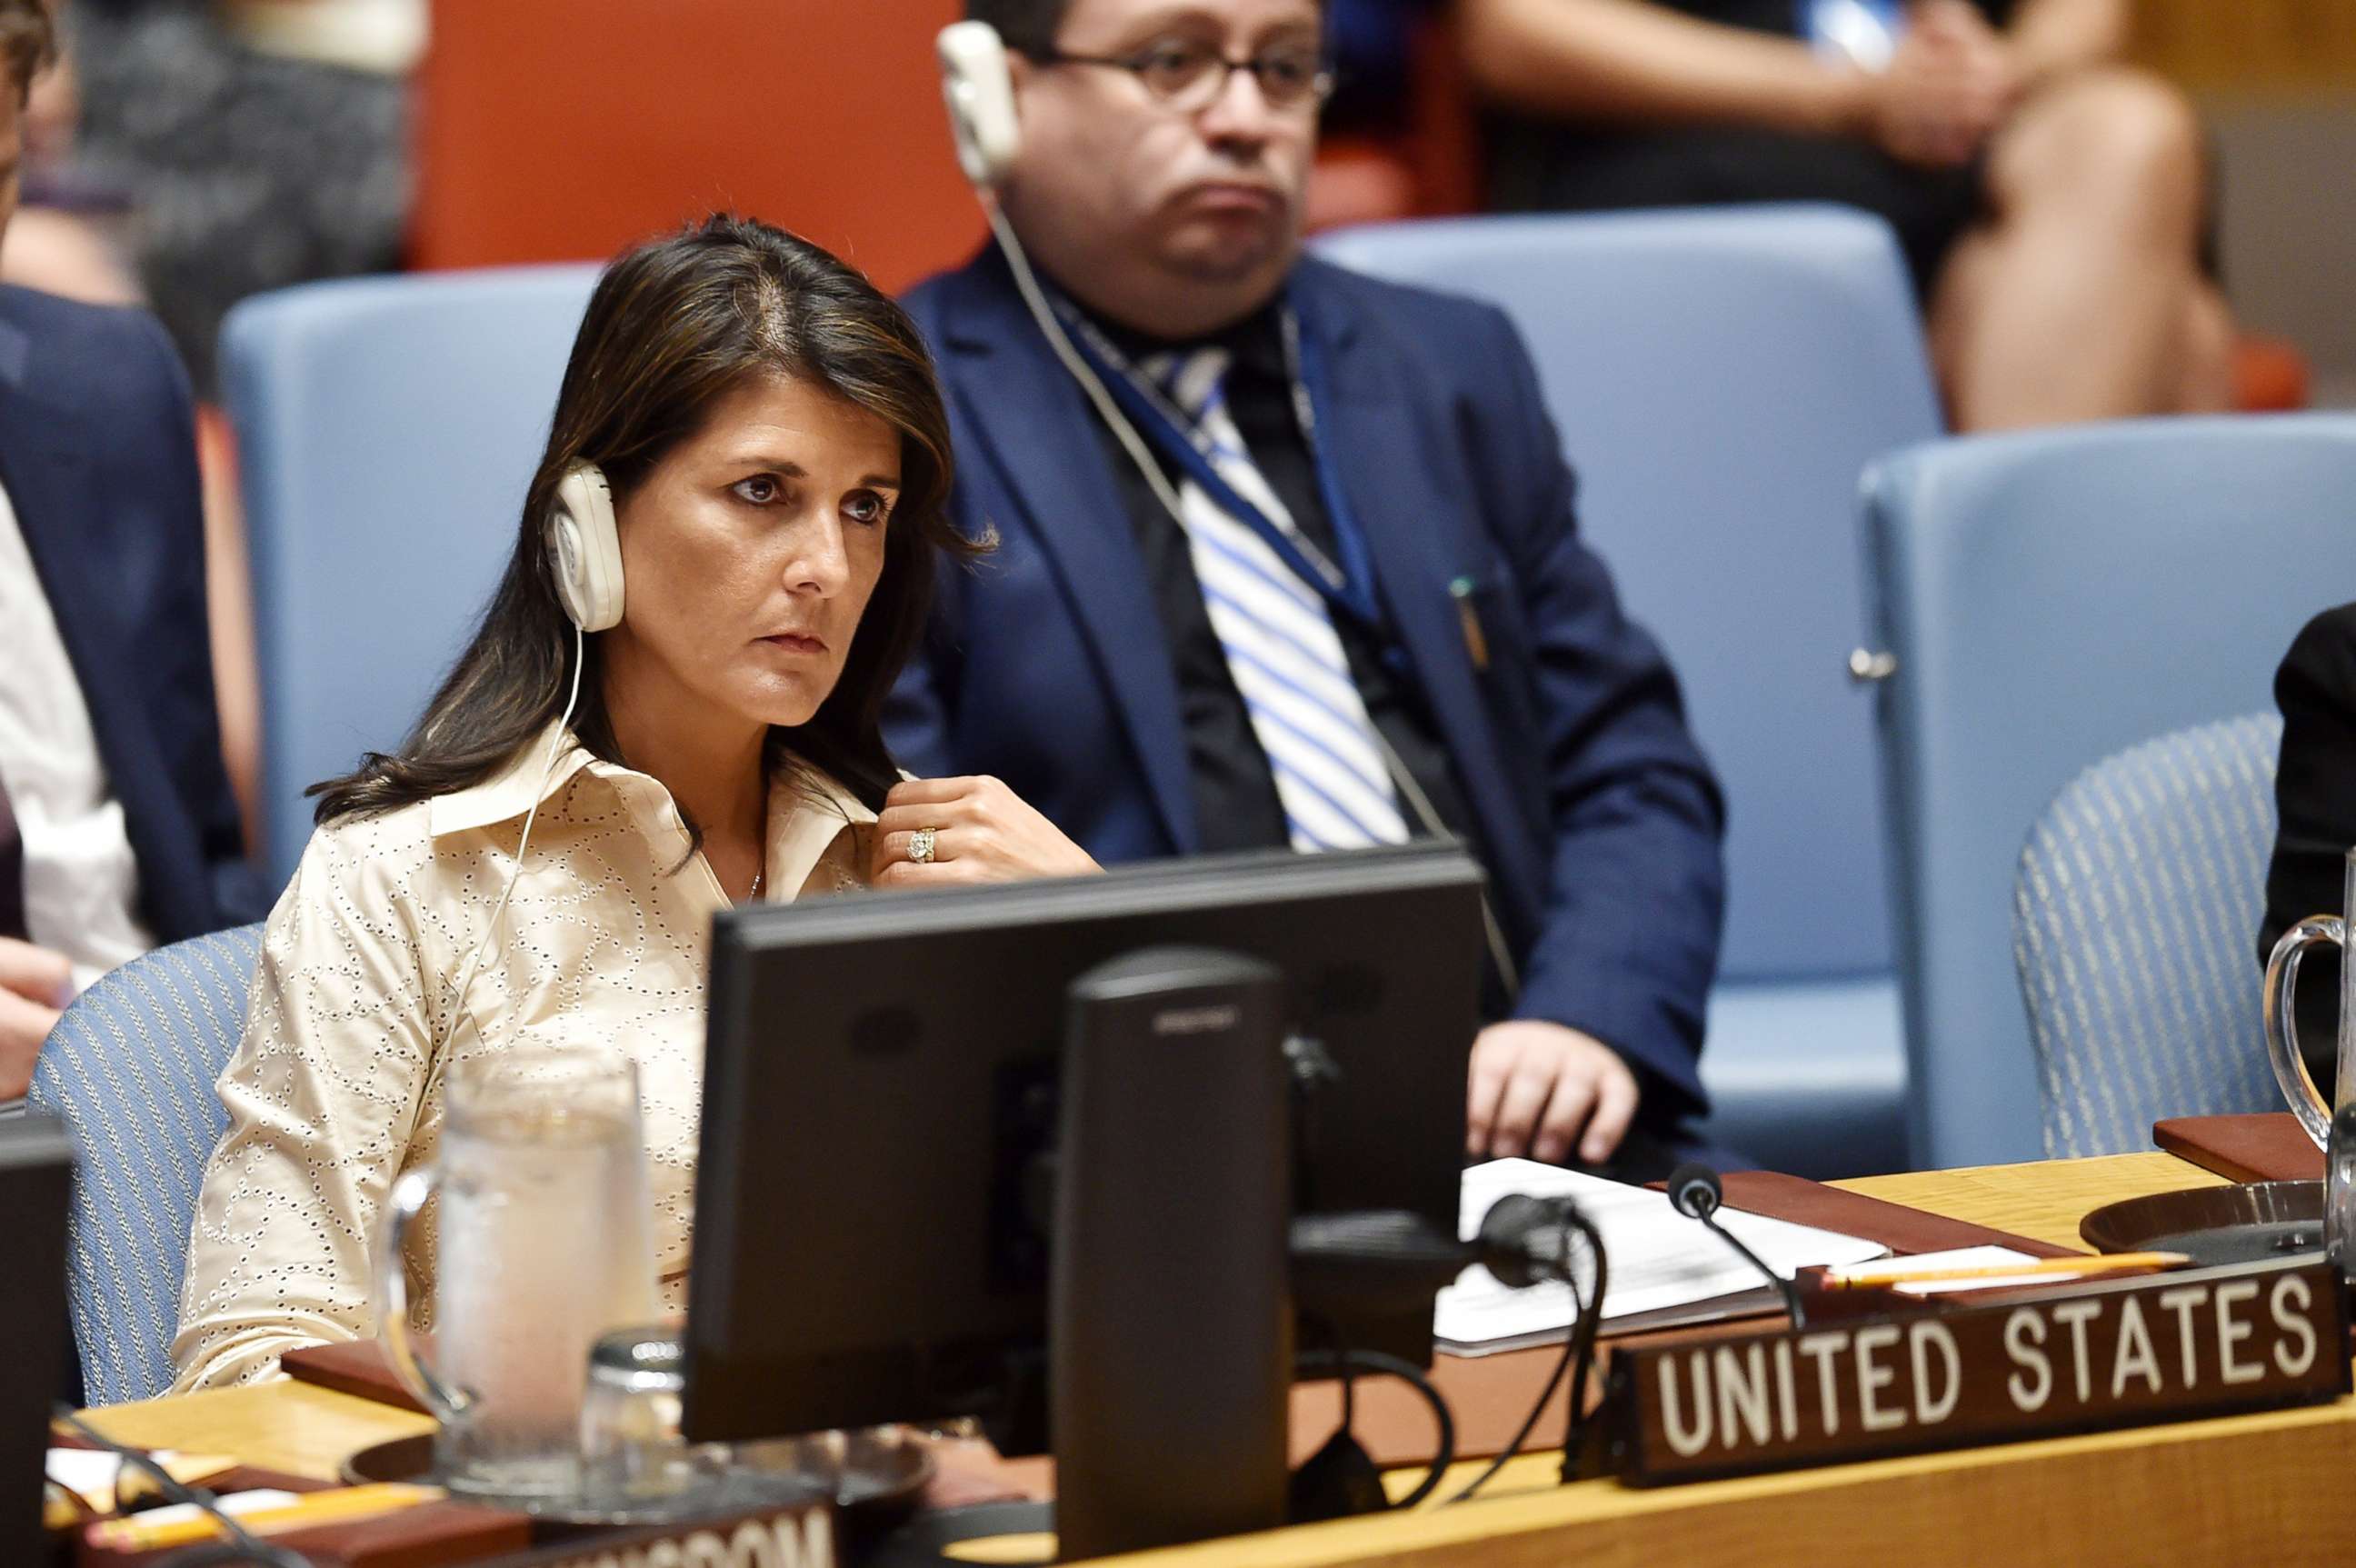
<point x="978" y="88"/>
<point x="585" y="556"/>
<point x="584" y="551"/>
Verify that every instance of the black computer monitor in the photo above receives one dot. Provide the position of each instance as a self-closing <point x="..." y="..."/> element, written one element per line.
<point x="880" y="1076"/>
<point x="35" y="1175"/>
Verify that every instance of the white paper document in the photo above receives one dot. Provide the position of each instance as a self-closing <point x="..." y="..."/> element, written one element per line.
<point x="1664" y="1269"/>
<point x="92" y="1472"/>
<point x="87" y="1472"/>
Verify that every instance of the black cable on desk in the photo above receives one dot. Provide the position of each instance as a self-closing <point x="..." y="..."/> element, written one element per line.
<point x="1444" y="1454"/>
<point x="1574" y="1436"/>
<point x="1580" y="1348"/>
<point x="242" y="1545"/>
<point x="1337" y="1356"/>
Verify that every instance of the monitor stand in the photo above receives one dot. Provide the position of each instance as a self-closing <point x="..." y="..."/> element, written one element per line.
<point x="1170" y="1313"/>
<point x="36" y="1188"/>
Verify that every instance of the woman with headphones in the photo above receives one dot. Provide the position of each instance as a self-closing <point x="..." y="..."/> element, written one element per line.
<point x="672" y="703"/>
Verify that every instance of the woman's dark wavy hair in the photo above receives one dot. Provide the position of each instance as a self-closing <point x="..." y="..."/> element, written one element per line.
<point x="673" y="327"/>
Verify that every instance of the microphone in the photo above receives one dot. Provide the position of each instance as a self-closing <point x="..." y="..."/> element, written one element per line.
<point x="1695" y="1192"/>
<point x="1521" y="1240"/>
<point x="1392" y="1259"/>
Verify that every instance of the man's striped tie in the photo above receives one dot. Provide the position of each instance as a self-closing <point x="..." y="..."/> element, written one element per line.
<point x="1281" y="648"/>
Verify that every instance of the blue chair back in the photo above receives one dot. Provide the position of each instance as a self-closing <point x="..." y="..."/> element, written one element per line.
<point x="131" y="1067"/>
<point x="2051" y="597"/>
<point x="2139" y="892"/>
<point x="1719" y="378"/>
<point x="387" y="430"/>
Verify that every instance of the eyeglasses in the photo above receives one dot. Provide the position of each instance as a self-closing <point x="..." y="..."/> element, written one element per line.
<point x="1190" y="78"/>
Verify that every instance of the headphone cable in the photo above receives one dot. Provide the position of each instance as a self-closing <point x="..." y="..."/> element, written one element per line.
<point x="555" y="745"/>
<point x="1027" y="284"/>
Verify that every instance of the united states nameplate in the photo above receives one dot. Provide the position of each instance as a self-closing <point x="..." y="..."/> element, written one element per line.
<point x="2123" y="1352"/>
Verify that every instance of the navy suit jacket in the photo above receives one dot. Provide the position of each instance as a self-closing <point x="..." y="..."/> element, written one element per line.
<point x="98" y="455"/>
<point x="1045" y="665"/>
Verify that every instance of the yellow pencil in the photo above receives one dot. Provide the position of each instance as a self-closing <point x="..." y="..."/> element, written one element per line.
<point x="334" y="1507"/>
<point x="2110" y="1263"/>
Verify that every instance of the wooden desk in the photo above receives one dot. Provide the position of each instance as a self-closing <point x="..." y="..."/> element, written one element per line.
<point x="2272" y="1488"/>
<point x="297" y="1428"/>
<point x="2044" y="1201"/>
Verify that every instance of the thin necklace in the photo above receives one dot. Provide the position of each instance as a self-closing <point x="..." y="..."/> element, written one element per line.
<point x="761" y="872"/>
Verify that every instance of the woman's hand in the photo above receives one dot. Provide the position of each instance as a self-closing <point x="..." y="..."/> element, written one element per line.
<point x="1948" y="87"/>
<point x="981" y="831"/>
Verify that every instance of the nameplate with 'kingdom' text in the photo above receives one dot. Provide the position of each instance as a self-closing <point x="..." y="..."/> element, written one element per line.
<point x="797" y="1536"/>
<point x="2121" y="1353"/>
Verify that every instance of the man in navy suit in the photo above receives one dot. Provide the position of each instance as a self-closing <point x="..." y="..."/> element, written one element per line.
<point x="1326" y="588"/>
<point x="117" y="827"/>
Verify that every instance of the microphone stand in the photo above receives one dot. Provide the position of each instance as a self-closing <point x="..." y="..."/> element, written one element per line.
<point x="1695" y="1192"/>
<point x="1784" y="1287"/>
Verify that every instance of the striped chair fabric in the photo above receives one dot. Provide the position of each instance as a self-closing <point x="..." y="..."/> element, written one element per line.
<point x="2138" y="900"/>
<point x="132" y="1068"/>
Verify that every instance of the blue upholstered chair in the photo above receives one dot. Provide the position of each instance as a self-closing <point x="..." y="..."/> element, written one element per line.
<point x="1719" y="378"/>
<point x="2140" y="891"/>
<point x="2050" y="598"/>
<point x="387" y="428"/>
<point x="132" y="1067"/>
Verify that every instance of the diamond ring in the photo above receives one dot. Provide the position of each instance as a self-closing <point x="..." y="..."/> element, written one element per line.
<point x="920" y="845"/>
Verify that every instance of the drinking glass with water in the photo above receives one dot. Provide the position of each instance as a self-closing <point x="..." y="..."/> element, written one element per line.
<point x="543" y="1242"/>
<point x="2331" y="1124"/>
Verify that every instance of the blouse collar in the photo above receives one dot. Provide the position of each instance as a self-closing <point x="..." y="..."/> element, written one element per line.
<point x="808" y="808"/>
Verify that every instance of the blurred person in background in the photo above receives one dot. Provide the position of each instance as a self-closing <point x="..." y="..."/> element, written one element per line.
<point x="117" y="827"/>
<point x="258" y="143"/>
<point x="2315" y="815"/>
<point x="67" y="237"/>
<point x="1372" y="43"/>
<point x="2050" y="200"/>
<point x="1338" y="597"/>
<point x="188" y="153"/>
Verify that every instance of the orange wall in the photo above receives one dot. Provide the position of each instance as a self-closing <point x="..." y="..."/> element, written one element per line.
<point x="562" y="129"/>
<point x="2245" y="47"/>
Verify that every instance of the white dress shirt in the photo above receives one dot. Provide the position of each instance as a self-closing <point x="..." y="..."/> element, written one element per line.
<point x="81" y="884"/>
<point x="336" y="1087"/>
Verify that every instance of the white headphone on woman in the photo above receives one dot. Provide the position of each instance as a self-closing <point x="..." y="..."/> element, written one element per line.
<point x="584" y="551"/>
<point x="585" y="556"/>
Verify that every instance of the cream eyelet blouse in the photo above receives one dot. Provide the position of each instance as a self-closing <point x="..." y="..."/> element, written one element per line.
<point x="336" y="1088"/>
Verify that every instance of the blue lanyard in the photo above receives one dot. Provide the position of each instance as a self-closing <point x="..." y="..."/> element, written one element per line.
<point x="1348" y="583"/>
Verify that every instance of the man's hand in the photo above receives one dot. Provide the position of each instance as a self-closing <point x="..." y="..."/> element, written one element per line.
<point x="1535" y="1086"/>
<point x="33" y="985"/>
